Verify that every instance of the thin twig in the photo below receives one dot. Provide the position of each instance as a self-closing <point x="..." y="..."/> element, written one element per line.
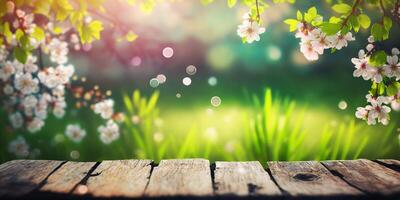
<point x="258" y="12"/>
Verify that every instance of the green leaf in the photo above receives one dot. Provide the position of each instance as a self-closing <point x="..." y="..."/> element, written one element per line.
<point x="91" y="32"/>
<point x="354" y="23"/>
<point x="391" y="90"/>
<point x="292" y="24"/>
<point x="335" y="20"/>
<point x="231" y="3"/>
<point x="38" y="33"/>
<point x="330" y="28"/>
<point x="299" y="15"/>
<point x="378" y="58"/>
<point x="7" y="32"/>
<point x="310" y="14"/>
<point x="364" y="20"/>
<point x="341" y="8"/>
<point x="387" y="23"/>
<point x="20" y="54"/>
<point x="377" y="31"/>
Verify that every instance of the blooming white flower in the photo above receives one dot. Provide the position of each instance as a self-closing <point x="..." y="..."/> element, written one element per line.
<point x="59" y="107"/>
<point x="8" y="89"/>
<point x="75" y="133"/>
<point x="26" y="84"/>
<point x="362" y="113"/>
<point x="339" y="41"/>
<point x="369" y="47"/>
<point x="392" y="68"/>
<point x="362" y="67"/>
<point x="319" y="41"/>
<point x="16" y="120"/>
<point x="395" y="51"/>
<point x="109" y="132"/>
<point x="377" y="74"/>
<point x="308" y="50"/>
<point x="49" y="78"/>
<point x="6" y="71"/>
<point x="381" y="112"/>
<point x="250" y="30"/>
<point x="58" y="51"/>
<point x="35" y="125"/>
<point x="29" y="101"/>
<point x="19" y="147"/>
<point x="64" y="73"/>
<point x="105" y="108"/>
<point x="30" y="66"/>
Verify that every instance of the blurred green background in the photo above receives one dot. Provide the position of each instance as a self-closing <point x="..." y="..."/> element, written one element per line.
<point x="275" y="105"/>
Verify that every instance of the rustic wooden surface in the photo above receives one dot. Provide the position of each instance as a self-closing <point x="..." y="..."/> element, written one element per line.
<point x="243" y="178"/>
<point x="18" y="178"/>
<point x="368" y="176"/>
<point x="181" y="178"/>
<point x="127" y="178"/>
<point x="309" y="178"/>
<point x="197" y="178"/>
<point x="67" y="177"/>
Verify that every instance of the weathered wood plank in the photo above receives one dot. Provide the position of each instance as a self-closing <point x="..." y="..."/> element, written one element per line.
<point x="243" y="179"/>
<point x="366" y="175"/>
<point x="309" y="178"/>
<point x="19" y="177"/>
<point x="390" y="163"/>
<point x="67" y="177"/>
<point x="120" y="178"/>
<point x="191" y="177"/>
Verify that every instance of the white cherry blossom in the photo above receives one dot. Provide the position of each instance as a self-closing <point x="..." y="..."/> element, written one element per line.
<point x="75" y="133"/>
<point x="250" y="30"/>
<point x="339" y="41"/>
<point x="109" y="132"/>
<point x="392" y="68"/>
<point x="105" y="108"/>
<point x="35" y="125"/>
<point x="16" y="120"/>
<point x="58" y="51"/>
<point x="26" y="84"/>
<point x="6" y="71"/>
<point x="19" y="147"/>
<point x="362" y="67"/>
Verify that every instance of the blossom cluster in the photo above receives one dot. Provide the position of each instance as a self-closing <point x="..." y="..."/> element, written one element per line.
<point x="313" y="41"/>
<point x="110" y="131"/>
<point x="250" y="29"/>
<point x="378" y="106"/>
<point x="33" y="91"/>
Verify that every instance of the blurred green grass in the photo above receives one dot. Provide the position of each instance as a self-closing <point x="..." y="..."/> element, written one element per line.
<point x="269" y="127"/>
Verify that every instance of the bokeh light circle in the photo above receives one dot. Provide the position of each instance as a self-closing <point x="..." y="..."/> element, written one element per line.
<point x="342" y="105"/>
<point x="168" y="52"/>
<point x="212" y="81"/>
<point x="154" y="83"/>
<point x="220" y="57"/>
<point x="274" y="53"/>
<point x="215" y="101"/>
<point x="191" y="70"/>
<point x="136" y="61"/>
<point x="161" y="78"/>
<point x="186" y="81"/>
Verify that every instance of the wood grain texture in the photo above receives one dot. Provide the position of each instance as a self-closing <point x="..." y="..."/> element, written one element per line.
<point x="19" y="177"/>
<point x="309" y="178"/>
<point x="67" y="177"/>
<point x="120" y="178"/>
<point x="243" y="179"/>
<point x="368" y="176"/>
<point x="191" y="177"/>
<point x="390" y="163"/>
